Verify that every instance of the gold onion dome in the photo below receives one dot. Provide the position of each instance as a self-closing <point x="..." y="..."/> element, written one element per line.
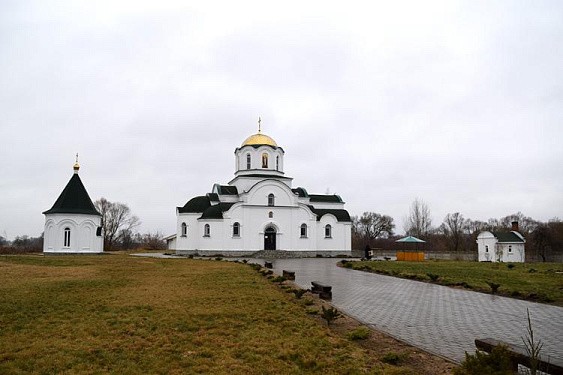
<point x="259" y="139"/>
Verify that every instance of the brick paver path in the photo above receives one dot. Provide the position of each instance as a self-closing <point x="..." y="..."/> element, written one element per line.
<point x="438" y="319"/>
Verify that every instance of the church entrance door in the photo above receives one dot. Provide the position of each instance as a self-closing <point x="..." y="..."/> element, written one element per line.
<point x="270" y="239"/>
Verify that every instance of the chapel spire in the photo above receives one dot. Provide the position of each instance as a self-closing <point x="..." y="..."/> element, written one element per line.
<point x="76" y="166"/>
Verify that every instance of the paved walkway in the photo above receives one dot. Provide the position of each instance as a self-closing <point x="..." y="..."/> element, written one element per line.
<point x="439" y="319"/>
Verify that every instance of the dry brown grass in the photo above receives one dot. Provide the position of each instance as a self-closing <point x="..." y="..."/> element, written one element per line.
<point x="129" y="315"/>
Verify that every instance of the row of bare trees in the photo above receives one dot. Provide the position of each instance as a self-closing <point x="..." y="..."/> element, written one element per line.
<point x="456" y="233"/>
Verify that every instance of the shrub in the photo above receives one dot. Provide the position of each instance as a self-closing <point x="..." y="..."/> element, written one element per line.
<point x="532" y="270"/>
<point x="218" y="258"/>
<point x="510" y="266"/>
<point x="433" y="276"/>
<point x="330" y="314"/>
<point x="360" y="333"/>
<point x="299" y="292"/>
<point x="278" y="279"/>
<point x="391" y="358"/>
<point x="496" y="363"/>
<point x="308" y="302"/>
<point x="312" y="311"/>
<point x="494" y="286"/>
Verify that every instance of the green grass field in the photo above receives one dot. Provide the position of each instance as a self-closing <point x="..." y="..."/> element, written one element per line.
<point x="128" y="315"/>
<point x="541" y="282"/>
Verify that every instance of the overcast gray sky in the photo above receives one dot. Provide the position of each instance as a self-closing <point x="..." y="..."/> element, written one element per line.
<point x="458" y="103"/>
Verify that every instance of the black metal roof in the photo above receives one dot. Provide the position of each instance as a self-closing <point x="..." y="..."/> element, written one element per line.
<point x="507" y="237"/>
<point x="325" y="198"/>
<point x="216" y="211"/>
<point x="74" y="199"/>
<point x="301" y="192"/>
<point x="196" y="204"/>
<point x="340" y="214"/>
<point x="227" y="190"/>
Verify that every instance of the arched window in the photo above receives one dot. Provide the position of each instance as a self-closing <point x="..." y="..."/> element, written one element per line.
<point x="270" y="214"/>
<point x="509" y="248"/>
<point x="277" y="163"/>
<point x="303" y="230"/>
<point x="206" y="231"/>
<point x="271" y="200"/>
<point x="248" y="161"/>
<point x="264" y="160"/>
<point x="67" y="237"/>
<point x="184" y="230"/>
<point x="486" y="248"/>
<point x="328" y="231"/>
<point x="236" y="229"/>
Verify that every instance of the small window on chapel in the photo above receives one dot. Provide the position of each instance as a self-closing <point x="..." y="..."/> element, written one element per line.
<point x="486" y="248"/>
<point x="277" y="163"/>
<point x="236" y="229"/>
<point x="67" y="237"/>
<point x="248" y="161"/>
<point x="303" y="230"/>
<point x="270" y="214"/>
<point x="184" y="230"/>
<point x="509" y="248"/>
<point x="264" y="160"/>
<point x="328" y="231"/>
<point x="206" y="231"/>
<point x="271" y="200"/>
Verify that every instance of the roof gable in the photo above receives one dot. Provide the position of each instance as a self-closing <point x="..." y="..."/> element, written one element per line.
<point x="74" y="199"/>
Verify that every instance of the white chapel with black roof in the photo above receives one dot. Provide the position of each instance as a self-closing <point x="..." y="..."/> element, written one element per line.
<point x="73" y="225"/>
<point x="260" y="210"/>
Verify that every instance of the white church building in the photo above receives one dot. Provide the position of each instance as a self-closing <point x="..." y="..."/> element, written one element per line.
<point x="73" y="225"/>
<point x="260" y="210"/>
<point x="501" y="246"/>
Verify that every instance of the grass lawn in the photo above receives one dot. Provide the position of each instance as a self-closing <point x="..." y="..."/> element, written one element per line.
<point x="540" y="282"/>
<point x="131" y="315"/>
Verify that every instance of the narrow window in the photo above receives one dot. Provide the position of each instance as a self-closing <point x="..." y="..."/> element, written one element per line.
<point x="271" y="200"/>
<point x="277" y="163"/>
<point x="264" y="160"/>
<point x="303" y="230"/>
<point x="328" y="231"/>
<point x="184" y="230"/>
<point x="67" y="237"/>
<point x="247" y="161"/>
<point x="206" y="231"/>
<point x="270" y="214"/>
<point x="486" y="248"/>
<point x="509" y="248"/>
<point x="236" y="230"/>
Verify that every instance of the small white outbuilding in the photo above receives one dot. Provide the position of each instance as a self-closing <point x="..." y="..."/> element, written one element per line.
<point x="501" y="246"/>
<point x="73" y="225"/>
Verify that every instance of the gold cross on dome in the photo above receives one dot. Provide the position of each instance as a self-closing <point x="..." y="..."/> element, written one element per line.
<point x="259" y="124"/>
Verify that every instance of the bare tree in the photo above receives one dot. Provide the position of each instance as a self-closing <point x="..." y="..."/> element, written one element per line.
<point x="526" y="225"/>
<point x="373" y="225"/>
<point x="418" y="223"/>
<point x="453" y="229"/>
<point x="115" y="217"/>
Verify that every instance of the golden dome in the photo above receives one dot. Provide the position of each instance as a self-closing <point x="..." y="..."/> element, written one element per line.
<point x="259" y="139"/>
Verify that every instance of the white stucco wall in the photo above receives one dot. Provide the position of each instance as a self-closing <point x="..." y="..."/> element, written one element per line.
<point x="83" y="238"/>
<point x="498" y="252"/>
